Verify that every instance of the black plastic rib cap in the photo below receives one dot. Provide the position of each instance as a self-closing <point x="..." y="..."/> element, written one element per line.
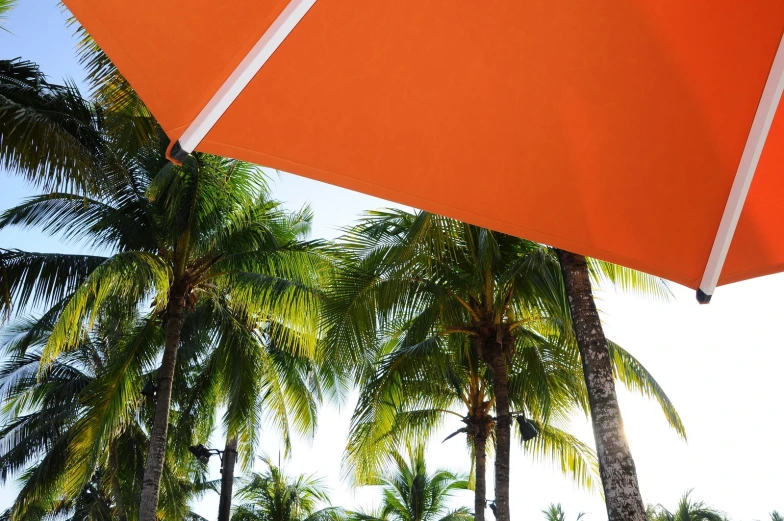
<point x="702" y="297"/>
<point x="177" y="153"/>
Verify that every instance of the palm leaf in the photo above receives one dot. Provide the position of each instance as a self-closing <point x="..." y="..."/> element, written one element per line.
<point x="51" y="135"/>
<point x="633" y="374"/>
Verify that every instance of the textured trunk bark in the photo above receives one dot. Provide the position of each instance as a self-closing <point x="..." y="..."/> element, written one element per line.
<point x="503" y="432"/>
<point x="616" y="465"/>
<point x="227" y="479"/>
<point x="119" y="505"/>
<point x="480" y="494"/>
<point x="151" y="483"/>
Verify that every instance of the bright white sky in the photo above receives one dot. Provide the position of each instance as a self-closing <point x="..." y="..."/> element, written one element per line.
<point x="721" y="364"/>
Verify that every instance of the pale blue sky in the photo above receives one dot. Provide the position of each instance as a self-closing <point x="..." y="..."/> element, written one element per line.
<point x="721" y="364"/>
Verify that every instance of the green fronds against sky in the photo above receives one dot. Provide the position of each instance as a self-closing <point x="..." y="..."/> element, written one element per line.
<point x="5" y="6"/>
<point x="272" y="495"/>
<point x="688" y="509"/>
<point x="412" y="296"/>
<point x="74" y="424"/>
<point x="51" y="135"/>
<point x="412" y="493"/>
<point x="250" y="276"/>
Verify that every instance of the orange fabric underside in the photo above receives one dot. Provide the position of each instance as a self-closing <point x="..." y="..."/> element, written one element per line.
<point x="612" y="129"/>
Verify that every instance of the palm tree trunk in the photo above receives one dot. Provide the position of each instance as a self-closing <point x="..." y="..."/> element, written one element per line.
<point x="616" y="465"/>
<point x="480" y="492"/>
<point x="119" y="505"/>
<point x="151" y="483"/>
<point x="227" y="479"/>
<point x="503" y="432"/>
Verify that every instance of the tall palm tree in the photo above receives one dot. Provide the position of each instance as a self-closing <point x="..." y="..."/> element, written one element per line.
<point x="274" y="496"/>
<point x="412" y="494"/>
<point x="616" y="464"/>
<point x="175" y="236"/>
<point x="687" y="510"/>
<point x="440" y="278"/>
<point x="129" y="121"/>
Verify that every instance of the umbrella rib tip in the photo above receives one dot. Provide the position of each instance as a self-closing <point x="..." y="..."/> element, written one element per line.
<point x="176" y="154"/>
<point x="702" y="297"/>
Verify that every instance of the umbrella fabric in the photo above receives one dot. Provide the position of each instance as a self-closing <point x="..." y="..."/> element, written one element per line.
<point x="611" y="129"/>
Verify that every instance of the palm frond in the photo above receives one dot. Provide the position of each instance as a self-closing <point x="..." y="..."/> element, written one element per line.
<point x="127" y="277"/>
<point x="627" y="279"/>
<point x="49" y="134"/>
<point x="40" y="280"/>
<point x="633" y="374"/>
<point x="570" y="455"/>
<point x="5" y="6"/>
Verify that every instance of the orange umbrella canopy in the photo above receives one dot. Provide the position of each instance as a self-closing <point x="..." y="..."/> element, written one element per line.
<point x="627" y="131"/>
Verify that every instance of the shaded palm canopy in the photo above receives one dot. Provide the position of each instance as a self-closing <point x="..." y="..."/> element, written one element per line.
<point x="465" y="322"/>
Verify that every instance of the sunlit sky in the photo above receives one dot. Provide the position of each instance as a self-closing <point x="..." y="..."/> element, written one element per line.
<point x="720" y="364"/>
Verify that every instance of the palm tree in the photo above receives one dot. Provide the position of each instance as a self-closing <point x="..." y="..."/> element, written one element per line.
<point x="46" y="413"/>
<point x="556" y="513"/>
<point x="286" y="385"/>
<point x="412" y="494"/>
<point x="253" y="377"/>
<point x="616" y="464"/>
<point x="414" y="391"/>
<point x="775" y="516"/>
<point x="176" y="236"/>
<point x="125" y="119"/>
<point x="687" y="510"/>
<point x="274" y="496"/>
<point x="75" y="430"/>
<point x="429" y="278"/>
